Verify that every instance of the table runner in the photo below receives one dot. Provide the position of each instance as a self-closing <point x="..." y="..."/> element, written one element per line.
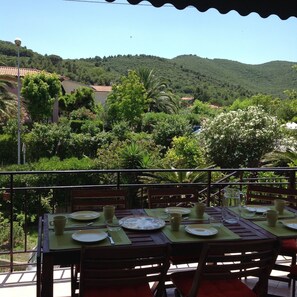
<point x="182" y="236"/>
<point x="279" y="230"/>
<point x="160" y="213"/>
<point x="65" y="241"/>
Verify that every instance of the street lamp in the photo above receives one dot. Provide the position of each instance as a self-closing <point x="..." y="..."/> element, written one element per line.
<point x="18" y="42"/>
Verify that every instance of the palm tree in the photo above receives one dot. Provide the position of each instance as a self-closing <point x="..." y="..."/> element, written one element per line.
<point x="7" y="99"/>
<point x="160" y="99"/>
<point x="281" y="158"/>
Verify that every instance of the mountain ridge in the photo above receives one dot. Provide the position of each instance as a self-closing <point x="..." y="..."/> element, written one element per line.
<point x="218" y="80"/>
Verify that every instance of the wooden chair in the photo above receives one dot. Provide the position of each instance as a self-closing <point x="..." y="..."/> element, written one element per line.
<point x="234" y="260"/>
<point x="293" y="278"/>
<point x="173" y="196"/>
<point x="258" y="194"/>
<point x="123" y="271"/>
<point x="95" y="199"/>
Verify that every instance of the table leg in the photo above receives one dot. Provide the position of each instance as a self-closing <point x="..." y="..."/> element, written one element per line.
<point x="47" y="280"/>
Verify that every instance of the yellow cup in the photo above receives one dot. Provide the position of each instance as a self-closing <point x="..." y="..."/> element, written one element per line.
<point x="199" y="209"/>
<point x="59" y="223"/>
<point x="108" y="212"/>
<point x="272" y="216"/>
<point x="175" y="221"/>
<point x="279" y="205"/>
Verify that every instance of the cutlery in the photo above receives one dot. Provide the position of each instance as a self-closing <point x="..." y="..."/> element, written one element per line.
<point x="110" y="238"/>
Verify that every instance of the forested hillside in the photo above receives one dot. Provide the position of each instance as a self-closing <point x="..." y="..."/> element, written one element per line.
<point x="218" y="81"/>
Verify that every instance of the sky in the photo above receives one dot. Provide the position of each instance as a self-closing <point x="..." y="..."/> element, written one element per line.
<point x="87" y="29"/>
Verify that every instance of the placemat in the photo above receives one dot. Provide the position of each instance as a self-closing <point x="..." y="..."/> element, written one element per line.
<point x="160" y="213"/>
<point x="65" y="241"/>
<point x="73" y="224"/>
<point x="182" y="236"/>
<point x="279" y="230"/>
<point x="258" y="216"/>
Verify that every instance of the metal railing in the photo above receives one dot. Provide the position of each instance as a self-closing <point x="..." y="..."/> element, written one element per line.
<point x="26" y="195"/>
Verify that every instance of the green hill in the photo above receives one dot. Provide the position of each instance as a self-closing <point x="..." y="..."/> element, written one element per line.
<point x="216" y="80"/>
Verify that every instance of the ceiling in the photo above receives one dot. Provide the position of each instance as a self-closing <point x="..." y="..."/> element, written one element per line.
<point x="282" y="8"/>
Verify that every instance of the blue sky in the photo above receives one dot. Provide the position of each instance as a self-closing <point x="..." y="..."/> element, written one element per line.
<point x="82" y="30"/>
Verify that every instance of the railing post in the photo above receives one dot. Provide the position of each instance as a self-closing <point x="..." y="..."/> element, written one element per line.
<point x="12" y="193"/>
<point x="208" y="186"/>
<point x="292" y="180"/>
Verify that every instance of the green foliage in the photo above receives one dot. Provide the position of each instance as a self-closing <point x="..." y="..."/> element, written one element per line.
<point x="215" y="80"/>
<point x="81" y="98"/>
<point x="139" y="151"/>
<point x="240" y="138"/>
<point x="82" y="114"/>
<point x="169" y="127"/>
<point x="8" y="149"/>
<point x="186" y="152"/>
<point x="127" y="101"/>
<point x="7" y="99"/>
<point x="281" y="158"/>
<point x="40" y="92"/>
<point x="18" y="233"/>
<point x="203" y="109"/>
<point x="160" y="99"/>
<point x="47" y="140"/>
<point x="92" y="127"/>
<point x="287" y="110"/>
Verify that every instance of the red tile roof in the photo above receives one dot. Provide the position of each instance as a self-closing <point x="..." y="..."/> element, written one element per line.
<point x="102" y="88"/>
<point x="13" y="71"/>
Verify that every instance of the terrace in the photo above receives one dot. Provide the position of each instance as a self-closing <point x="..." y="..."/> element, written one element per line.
<point x="28" y="192"/>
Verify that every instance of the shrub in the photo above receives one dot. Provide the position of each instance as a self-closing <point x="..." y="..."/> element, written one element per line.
<point x="240" y="138"/>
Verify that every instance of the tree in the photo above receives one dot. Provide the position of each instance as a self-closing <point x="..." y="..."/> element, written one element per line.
<point x="159" y="98"/>
<point x="185" y="152"/>
<point x="240" y="138"/>
<point x="82" y="97"/>
<point x="7" y="100"/>
<point x="40" y="92"/>
<point x="127" y="101"/>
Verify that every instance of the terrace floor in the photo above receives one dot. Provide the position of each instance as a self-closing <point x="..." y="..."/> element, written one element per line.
<point x="23" y="284"/>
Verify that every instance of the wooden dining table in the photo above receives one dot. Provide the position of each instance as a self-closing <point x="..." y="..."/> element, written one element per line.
<point x="64" y="251"/>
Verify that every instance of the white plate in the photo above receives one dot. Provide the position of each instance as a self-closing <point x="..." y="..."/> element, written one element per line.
<point x="84" y="215"/>
<point x="142" y="223"/>
<point x="201" y="230"/>
<point x="257" y="208"/>
<point x="89" y="235"/>
<point x="176" y="209"/>
<point x="292" y="224"/>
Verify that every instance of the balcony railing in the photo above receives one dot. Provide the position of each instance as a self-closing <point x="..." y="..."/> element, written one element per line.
<point x="26" y="195"/>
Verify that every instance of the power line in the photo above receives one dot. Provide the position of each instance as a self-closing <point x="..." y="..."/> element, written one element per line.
<point x="113" y="3"/>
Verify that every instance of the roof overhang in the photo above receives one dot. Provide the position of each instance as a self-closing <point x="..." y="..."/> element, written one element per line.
<point x="282" y="8"/>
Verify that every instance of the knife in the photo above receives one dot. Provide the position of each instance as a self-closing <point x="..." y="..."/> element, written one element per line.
<point x="110" y="239"/>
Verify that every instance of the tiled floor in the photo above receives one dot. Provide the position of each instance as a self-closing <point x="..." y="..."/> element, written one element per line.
<point x="23" y="284"/>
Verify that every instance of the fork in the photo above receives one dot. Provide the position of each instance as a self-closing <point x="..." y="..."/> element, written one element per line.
<point x="110" y="238"/>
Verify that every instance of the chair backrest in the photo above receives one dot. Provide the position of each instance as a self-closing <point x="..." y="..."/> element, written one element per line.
<point x="123" y="266"/>
<point x="95" y="199"/>
<point x="266" y="194"/>
<point x="235" y="260"/>
<point x="174" y="196"/>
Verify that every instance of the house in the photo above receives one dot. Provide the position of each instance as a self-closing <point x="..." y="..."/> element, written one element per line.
<point x="101" y="93"/>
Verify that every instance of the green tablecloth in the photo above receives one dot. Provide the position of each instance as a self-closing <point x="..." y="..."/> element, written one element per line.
<point x="160" y="213"/>
<point x="182" y="236"/>
<point x="279" y="230"/>
<point x="65" y="241"/>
